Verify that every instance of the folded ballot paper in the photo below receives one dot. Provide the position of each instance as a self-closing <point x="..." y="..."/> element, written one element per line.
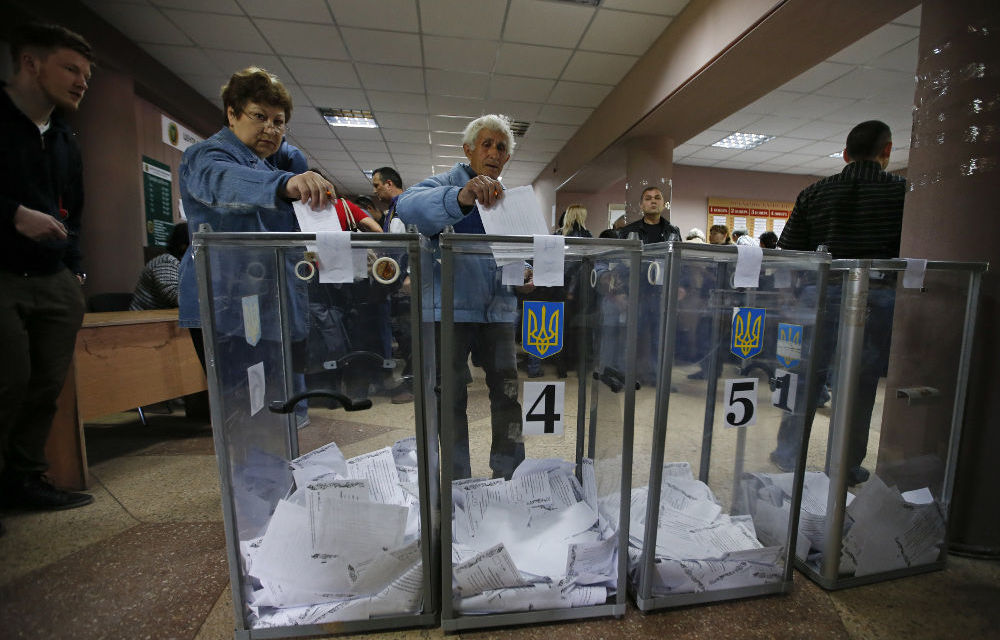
<point x="533" y="542"/>
<point x="699" y="548"/>
<point x="884" y="529"/>
<point x="343" y="544"/>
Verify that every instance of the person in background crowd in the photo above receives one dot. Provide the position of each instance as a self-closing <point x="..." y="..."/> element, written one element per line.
<point x="388" y="186"/>
<point x="857" y="213"/>
<point x="574" y="222"/>
<point x="41" y="304"/>
<point x="619" y="222"/>
<point x="695" y="235"/>
<point x="737" y="234"/>
<point x="484" y="308"/>
<point x="652" y="227"/>
<point x="719" y="234"/>
<point x="769" y="240"/>
<point x="157" y="286"/>
<point x="369" y="207"/>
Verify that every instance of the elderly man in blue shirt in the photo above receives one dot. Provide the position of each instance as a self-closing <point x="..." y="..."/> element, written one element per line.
<point x="485" y="309"/>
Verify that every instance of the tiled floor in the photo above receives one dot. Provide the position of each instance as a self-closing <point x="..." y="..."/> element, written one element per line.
<point x="148" y="560"/>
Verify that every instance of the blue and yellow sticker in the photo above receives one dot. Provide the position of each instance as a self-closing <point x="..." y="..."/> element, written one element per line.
<point x="748" y="332"/>
<point x="542" y="328"/>
<point x="789" y="347"/>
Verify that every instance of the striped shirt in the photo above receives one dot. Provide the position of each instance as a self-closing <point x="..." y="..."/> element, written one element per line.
<point x="857" y="213"/>
<point x="157" y="287"/>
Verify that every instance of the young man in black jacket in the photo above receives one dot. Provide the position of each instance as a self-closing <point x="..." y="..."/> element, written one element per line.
<point x="41" y="303"/>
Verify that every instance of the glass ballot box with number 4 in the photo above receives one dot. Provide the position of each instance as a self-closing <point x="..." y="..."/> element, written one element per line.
<point x="328" y="486"/>
<point x="884" y="446"/>
<point x="537" y="390"/>
<point x="728" y="361"/>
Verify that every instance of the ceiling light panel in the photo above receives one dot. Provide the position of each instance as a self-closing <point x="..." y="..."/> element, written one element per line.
<point x="742" y="140"/>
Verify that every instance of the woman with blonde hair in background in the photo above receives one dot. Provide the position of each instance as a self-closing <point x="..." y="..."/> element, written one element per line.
<point x="574" y="223"/>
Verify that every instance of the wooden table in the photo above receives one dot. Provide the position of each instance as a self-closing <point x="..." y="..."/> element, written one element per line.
<point x="123" y="360"/>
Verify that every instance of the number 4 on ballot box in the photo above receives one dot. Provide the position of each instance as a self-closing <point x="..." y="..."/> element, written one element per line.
<point x="543" y="408"/>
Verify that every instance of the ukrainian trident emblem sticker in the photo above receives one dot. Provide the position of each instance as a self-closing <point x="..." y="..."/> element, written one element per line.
<point x="542" y="328"/>
<point x="748" y="332"/>
<point x="789" y="348"/>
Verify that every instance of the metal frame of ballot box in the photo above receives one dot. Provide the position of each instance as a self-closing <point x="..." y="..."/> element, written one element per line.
<point x="254" y="447"/>
<point x="589" y="253"/>
<point x="679" y="264"/>
<point x="828" y="570"/>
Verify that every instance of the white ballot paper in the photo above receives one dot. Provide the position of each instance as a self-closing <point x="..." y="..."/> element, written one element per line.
<point x="326" y="219"/>
<point x="345" y="545"/>
<point x="490" y="569"/>
<point x="531" y="542"/>
<point x="549" y="266"/>
<point x="698" y="547"/>
<point x="336" y="260"/>
<point x="515" y="214"/>
<point x="512" y="273"/>
<point x="748" y="266"/>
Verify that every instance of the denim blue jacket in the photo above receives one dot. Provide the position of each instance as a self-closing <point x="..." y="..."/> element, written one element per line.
<point x="224" y="183"/>
<point x="431" y="205"/>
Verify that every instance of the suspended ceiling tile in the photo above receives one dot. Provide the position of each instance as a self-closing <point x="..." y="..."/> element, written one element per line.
<point x="462" y="84"/>
<point x="519" y="88"/>
<point x="322" y="73"/>
<point x="383" y="47"/>
<point x="460" y="54"/>
<point x="454" y="17"/>
<point x="385" y="77"/>
<point x="531" y="60"/>
<point x="235" y="33"/>
<point x="312" y="11"/>
<point x="533" y="22"/>
<point x="393" y="15"/>
<point x="622" y="32"/>
<point x="397" y="102"/>
<point x="601" y="68"/>
<point x="579" y="94"/>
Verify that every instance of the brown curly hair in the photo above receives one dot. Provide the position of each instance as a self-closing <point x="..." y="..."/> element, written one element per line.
<point x="254" y="84"/>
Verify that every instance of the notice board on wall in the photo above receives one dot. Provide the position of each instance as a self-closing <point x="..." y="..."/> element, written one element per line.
<point x="756" y="216"/>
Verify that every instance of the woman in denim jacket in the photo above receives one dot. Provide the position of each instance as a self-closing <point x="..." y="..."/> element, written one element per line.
<point x="237" y="181"/>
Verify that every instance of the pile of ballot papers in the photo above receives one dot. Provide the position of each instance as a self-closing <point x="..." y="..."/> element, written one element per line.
<point x="344" y="544"/>
<point x="698" y="548"/>
<point x="541" y="540"/>
<point x="884" y="529"/>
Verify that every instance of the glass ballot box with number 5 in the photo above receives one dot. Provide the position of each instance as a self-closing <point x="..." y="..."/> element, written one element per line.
<point x="327" y="513"/>
<point x="884" y="447"/>
<point x="537" y="390"/>
<point x="724" y="366"/>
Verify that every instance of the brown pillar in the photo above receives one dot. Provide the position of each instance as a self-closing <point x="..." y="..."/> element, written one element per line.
<point x="951" y="214"/>
<point x="649" y="163"/>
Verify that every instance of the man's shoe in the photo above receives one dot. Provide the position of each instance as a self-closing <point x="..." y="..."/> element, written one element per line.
<point x="36" y="493"/>
<point x="785" y="465"/>
<point x="402" y="397"/>
<point x="857" y="475"/>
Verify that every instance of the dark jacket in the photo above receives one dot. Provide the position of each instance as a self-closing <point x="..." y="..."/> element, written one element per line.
<point x="667" y="233"/>
<point x="42" y="172"/>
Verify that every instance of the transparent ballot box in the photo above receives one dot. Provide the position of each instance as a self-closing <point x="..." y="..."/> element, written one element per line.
<point x="891" y="380"/>
<point x="723" y="388"/>
<point x="537" y="395"/>
<point x="328" y="485"/>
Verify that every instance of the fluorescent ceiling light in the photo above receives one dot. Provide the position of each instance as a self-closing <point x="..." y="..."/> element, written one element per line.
<point x="348" y="117"/>
<point x="838" y="154"/>
<point x="744" y="141"/>
<point x="369" y="173"/>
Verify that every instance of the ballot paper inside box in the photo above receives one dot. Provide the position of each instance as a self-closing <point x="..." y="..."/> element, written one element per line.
<point x="536" y="536"/>
<point x="719" y="387"/>
<point x="315" y="536"/>
<point x="890" y="520"/>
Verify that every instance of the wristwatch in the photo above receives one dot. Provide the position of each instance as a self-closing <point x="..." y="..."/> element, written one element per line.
<point x="83" y="278"/>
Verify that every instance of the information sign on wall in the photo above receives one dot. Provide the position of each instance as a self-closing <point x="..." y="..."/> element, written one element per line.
<point x="176" y="135"/>
<point x="756" y="216"/>
<point x="156" y="179"/>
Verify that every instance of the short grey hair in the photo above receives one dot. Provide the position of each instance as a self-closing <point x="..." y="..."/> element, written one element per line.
<point x="492" y="122"/>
